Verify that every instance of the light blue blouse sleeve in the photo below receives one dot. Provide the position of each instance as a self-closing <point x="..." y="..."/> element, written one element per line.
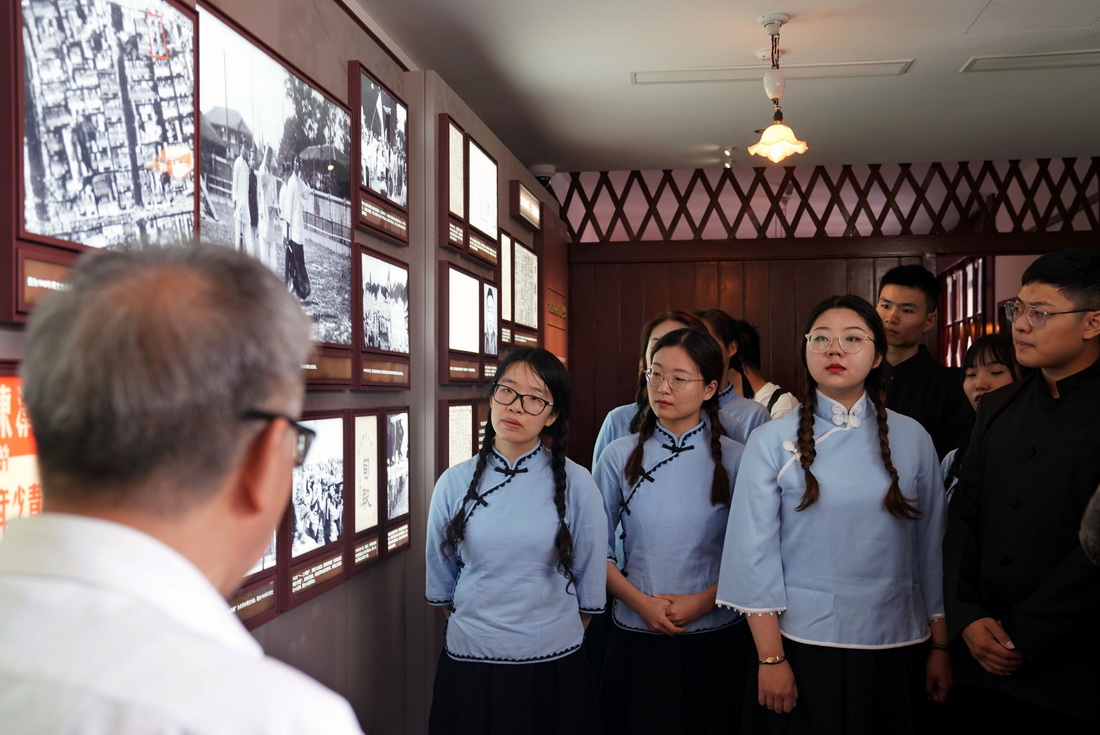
<point x="589" y="527"/>
<point x="754" y="417"/>
<point x="613" y="427"/>
<point x="442" y="572"/>
<point x="610" y="481"/>
<point x="733" y="427"/>
<point x="751" y="575"/>
<point x="932" y="504"/>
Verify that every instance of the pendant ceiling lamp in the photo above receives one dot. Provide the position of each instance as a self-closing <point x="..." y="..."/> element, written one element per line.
<point x="777" y="141"/>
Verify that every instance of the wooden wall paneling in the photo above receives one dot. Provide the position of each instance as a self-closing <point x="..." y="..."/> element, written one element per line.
<point x="707" y="285"/>
<point x="731" y="285"/>
<point x="655" y="290"/>
<point x="783" y="322"/>
<point x="861" y="278"/>
<point x="755" y="287"/>
<point x="681" y="286"/>
<point x="583" y="358"/>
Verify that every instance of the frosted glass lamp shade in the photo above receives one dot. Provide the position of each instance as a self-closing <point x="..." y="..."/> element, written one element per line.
<point x="776" y="143"/>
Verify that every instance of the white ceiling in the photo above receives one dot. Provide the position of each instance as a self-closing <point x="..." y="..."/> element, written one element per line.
<point x="552" y="78"/>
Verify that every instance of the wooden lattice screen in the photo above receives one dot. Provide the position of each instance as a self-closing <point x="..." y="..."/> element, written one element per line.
<point x="1042" y="195"/>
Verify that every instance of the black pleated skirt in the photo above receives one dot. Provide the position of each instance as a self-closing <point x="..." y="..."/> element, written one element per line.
<point x="675" y="684"/>
<point x="847" y="691"/>
<point x="542" y="698"/>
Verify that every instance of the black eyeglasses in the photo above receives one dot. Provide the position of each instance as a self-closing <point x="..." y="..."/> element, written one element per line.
<point x="533" y="405"/>
<point x="305" y="434"/>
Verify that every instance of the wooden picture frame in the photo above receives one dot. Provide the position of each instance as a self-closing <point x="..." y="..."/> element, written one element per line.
<point x="385" y="304"/>
<point x="380" y="146"/>
<point x="293" y="146"/>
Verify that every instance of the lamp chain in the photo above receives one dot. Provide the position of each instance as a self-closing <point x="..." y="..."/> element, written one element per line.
<point x="775" y="51"/>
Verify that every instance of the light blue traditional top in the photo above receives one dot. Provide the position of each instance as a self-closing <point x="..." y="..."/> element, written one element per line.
<point x="509" y="601"/>
<point x="843" y="572"/>
<point x="748" y="412"/>
<point x="945" y="467"/>
<point x="616" y="425"/>
<point x="673" y="534"/>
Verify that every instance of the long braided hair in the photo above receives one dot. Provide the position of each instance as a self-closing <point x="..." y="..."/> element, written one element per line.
<point x="704" y="352"/>
<point x="641" y="394"/>
<point x="895" y="503"/>
<point x="550" y="370"/>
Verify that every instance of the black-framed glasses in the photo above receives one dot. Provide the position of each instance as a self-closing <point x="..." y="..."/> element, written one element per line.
<point x="675" y="382"/>
<point x="530" y="404"/>
<point x="1037" y="318"/>
<point x="820" y="342"/>
<point x="305" y="434"/>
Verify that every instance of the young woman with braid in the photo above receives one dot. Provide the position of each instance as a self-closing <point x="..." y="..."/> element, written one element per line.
<point x="626" y="419"/>
<point x="833" y="551"/>
<point x="674" y="657"/>
<point x="515" y="555"/>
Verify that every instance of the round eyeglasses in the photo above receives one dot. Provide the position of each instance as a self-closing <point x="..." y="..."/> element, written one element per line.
<point x="1037" y="318"/>
<point x="821" y="343"/>
<point x="530" y="404"/>
<point x="675" y="382"/>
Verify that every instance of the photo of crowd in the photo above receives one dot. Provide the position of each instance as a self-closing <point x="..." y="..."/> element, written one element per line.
<point x="317" y="500"/>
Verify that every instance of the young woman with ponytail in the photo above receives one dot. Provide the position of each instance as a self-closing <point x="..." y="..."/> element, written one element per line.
<point x="674" y="657"/>
<point x="723" y="328"/>
<point x="515" y="555"/>
<point x="833" y="551"/>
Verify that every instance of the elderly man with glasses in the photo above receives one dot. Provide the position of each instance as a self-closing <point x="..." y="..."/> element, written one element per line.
<point x="161" y="387"/>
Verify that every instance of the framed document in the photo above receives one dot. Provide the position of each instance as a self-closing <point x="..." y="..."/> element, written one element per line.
<point x="525" y="287"/>
<point x="505" y="278"/>
<point x="457" y="432"/>
<point x="367" y="472"/>
<point x="452" y="184"/>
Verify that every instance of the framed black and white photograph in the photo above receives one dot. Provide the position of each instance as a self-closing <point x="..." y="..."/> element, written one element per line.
<point x="366" y="472"/>
<point x="108" y="122"/>
<point x="483" y="192"/>
<point x="385" y="304"/>
<point x="383" y="142"/>
<point x="397" y="465"/>
<point x="276" y="172"/>
<point x="463" y="309"/>
<point x="525" y="286"/>
<point x="267" y="561"/>
<point x="490" y="331"/>
<point x="317" y="499"/>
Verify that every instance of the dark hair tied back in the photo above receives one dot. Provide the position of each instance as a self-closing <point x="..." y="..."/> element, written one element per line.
<point x="550" y="370"/>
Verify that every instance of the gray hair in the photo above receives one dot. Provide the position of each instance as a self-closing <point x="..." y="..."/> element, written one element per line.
<point x="137" y="378"/>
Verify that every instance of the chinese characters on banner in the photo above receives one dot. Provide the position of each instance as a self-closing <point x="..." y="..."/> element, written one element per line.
<point x="20" y="491"/>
